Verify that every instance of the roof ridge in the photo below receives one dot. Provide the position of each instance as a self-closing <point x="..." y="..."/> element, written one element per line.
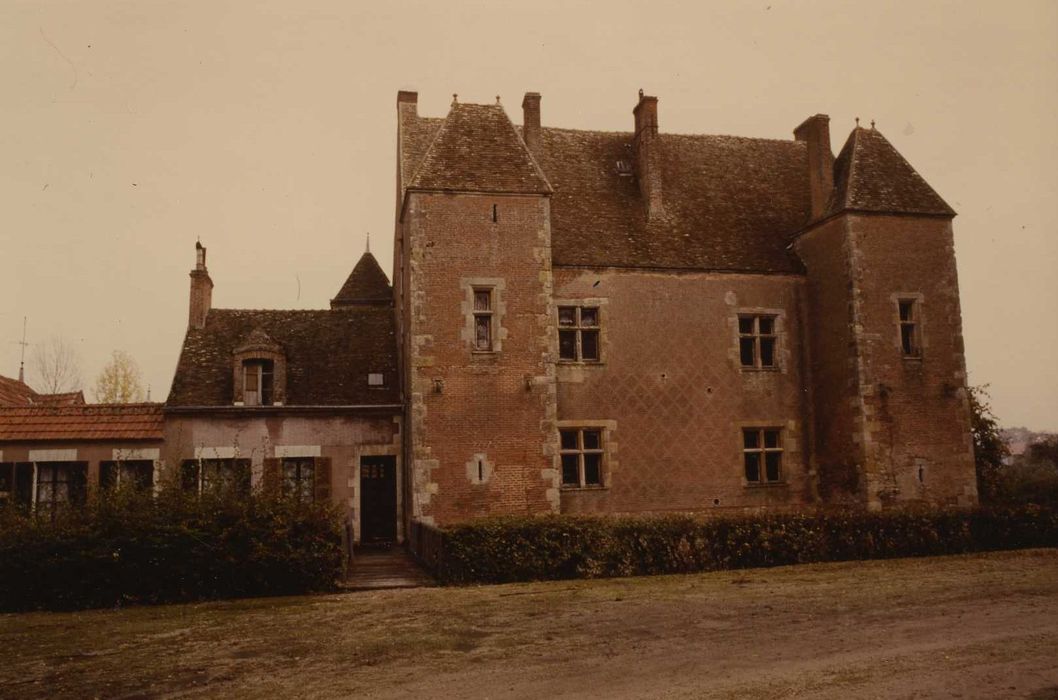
<point x="521" y="140"/>
<point x="429" y="149"/>
<point x="850" y="177"/>
<point x="631" y="135"/>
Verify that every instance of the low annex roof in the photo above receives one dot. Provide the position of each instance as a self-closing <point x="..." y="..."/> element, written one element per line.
<point x="141" y="421"/>
<point x="17" y="393"/>
<point x="329" y="354"/>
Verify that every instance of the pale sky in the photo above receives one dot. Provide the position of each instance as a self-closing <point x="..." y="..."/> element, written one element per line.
<point x="267" y="129"/>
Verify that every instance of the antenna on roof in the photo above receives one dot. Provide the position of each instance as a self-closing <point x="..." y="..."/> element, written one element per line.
<point x="22" y="360"/>
<point x="872" y="125"/>
<point x="455" y="98"/>
<point x="368" y="242"/>
<point x="497" y="99"/>
<point x="857" y="122"/>
<point x="148" y="393"/>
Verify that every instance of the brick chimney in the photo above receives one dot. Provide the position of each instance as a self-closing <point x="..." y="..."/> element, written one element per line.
<point x="201" y="290"/>
<point x="409" y="97"/>
<point x="648" y="156"/>
<point x="815" y="132"/>
<point x="531" y="121"/>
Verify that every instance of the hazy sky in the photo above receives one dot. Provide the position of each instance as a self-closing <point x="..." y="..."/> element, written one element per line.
<point x="129" y="129"/>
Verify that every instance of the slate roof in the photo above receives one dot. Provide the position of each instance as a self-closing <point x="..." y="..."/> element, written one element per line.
<point x="870" y="175"/>
<point x="16" y="393"/>
<point x="88" y="422"/>
<point x="730" y="202"/>
<point x="329" y="354"/>
<point x="367" y="284"/>
<point x="477" y="149"/>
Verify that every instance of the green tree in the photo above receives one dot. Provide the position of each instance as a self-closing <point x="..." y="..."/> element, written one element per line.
<point x="119" y="382"/>
<point x="989" y="447"/>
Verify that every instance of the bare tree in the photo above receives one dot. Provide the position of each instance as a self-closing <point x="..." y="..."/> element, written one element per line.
<point x="56" y="366"/>
<point x="120" y="381"/>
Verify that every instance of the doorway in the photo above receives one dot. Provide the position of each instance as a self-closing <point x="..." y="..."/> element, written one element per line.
<point x="378" y="500"/>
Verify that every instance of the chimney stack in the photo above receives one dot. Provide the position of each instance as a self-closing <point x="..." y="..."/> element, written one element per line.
<point x="201" y="290"/>
<point x="815" y="132"/>
<point x="531" y="121"/>
<point x="409" y="97"/>
<point x="648" y="156"/>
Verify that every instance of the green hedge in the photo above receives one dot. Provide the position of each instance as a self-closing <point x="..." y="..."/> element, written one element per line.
<point x="132" y="548"/>
<point x="563" y="547"/>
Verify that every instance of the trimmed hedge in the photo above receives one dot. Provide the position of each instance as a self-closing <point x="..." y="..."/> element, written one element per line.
<point x="500" y="550"/>
<point x="131" y="548"/>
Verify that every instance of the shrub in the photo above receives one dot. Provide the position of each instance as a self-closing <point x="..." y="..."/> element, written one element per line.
<point x="510" y="549"/>
<point x="131" y="548"/>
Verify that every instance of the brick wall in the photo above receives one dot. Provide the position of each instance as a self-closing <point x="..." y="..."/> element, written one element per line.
<point x="889" y="429"/>
<point x="672" y="388"/>
<point x="466" y="407"/>
<point x="916" y="410"/>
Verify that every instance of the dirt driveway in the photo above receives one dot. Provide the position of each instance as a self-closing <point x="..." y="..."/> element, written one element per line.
<point x="983" y="626"/>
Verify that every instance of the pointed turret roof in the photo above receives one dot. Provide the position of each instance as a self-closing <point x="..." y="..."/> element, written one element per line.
<point x="366" y="284"/>
<point x="476" y="149"/>
<point x="871" y="175"/>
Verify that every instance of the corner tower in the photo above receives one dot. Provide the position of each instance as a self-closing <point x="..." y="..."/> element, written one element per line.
<point x="887" y="365"/>
<point x="473" y="271"/>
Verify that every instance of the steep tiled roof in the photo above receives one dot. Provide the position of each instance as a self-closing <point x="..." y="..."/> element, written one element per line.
<point x="69" y="398"/>
<point x="476" y="149"/>
<point x="730" y="203"/>
<point x="415" y="134"/>
<point x="367" y="284"/>
<point x="328" y="354"/>
<point x="15" y="393"/>
<point x="88" y="422"/>
<point x="870" y="175"/>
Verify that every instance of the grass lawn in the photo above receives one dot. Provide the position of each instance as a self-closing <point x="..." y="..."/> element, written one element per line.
<point x="963" y="626"/>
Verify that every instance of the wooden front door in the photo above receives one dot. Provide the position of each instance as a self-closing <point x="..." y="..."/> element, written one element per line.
<point x="378" y="500"/>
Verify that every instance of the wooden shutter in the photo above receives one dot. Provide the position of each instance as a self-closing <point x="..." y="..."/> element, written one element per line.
<point x="77" y="482"/>
<point x="270" y="477"/>
<point x="323" y="479"/>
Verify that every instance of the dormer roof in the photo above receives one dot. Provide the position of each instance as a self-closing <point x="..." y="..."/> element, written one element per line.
<point x="366" y="284"/>
<point x="257" y="341"/>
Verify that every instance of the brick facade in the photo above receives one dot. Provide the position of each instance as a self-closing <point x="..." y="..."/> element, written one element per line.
<point x="672" y="239"/>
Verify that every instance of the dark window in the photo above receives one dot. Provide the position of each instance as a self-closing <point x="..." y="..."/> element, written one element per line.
<point x="258" y="382"/>
<point x="217" y="476"/>
<point x="482" y="319"/>
<point x="762" y="454"/>
<point x="756" y="341"/>
<point x="7" y="482"/>
<point x="59" y="485"/>
<point x="130" y="473"/>
<point x="909" y="328"/>
<point x="582" y="456"/>
<point x="299" y="478"/>
<point x="578" y="333"/>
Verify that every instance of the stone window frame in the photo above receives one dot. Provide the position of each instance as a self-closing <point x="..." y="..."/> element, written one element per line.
<point x="600" y="303"/>
<point x="779" y="332"/>
<point x="497" y="286"/>
<point x="758" y="338"/>
<point x="917" y="299"/>
<point x="784" y="450"/>
<point x="279" y="375"/>
<point x="579" y="329"/>
<point x="607" y="469"/>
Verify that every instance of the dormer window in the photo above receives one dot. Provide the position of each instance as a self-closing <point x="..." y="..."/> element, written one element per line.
<point x="259" y="371"/>
<point x="258" y="382"/>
